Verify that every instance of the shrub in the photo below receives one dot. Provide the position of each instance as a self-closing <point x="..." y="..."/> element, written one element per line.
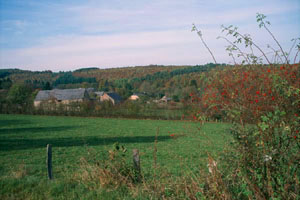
<point x="263" y="101"/>
<point x="111" y="172"/>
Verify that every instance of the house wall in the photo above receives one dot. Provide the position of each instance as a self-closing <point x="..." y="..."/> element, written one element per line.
<point x="71" y="101"/>
<point x="134" y="97"/>
<point x="105" y="97"/>
<point x="37" y="103"/>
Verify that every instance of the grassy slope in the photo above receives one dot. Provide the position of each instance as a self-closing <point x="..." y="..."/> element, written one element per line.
<point x="23" y="141"/>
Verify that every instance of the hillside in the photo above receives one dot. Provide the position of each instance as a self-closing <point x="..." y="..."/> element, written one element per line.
<point x="156" y="80"/>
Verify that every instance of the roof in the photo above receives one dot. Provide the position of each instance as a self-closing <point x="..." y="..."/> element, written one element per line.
<point x="99" y="94"/>
<point x="114" y="96"/>
<point x="43" y="95"/>
<point x="139" y="94"/>
<point x="89" y="90"/>
<point x="67" y="94"/>
<point x="165" y="98"/>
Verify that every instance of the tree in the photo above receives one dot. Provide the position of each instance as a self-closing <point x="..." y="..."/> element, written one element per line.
<point x="5" y="83"/>
<point x="47" y="86"/>
<point x="20" y="95"/>
<point x="193" y="83"/>
<point x="175" y="98"/>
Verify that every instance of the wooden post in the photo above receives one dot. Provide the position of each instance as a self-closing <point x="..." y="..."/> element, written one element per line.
<point x="49" y="161"/>
<point x="136" y="163"/>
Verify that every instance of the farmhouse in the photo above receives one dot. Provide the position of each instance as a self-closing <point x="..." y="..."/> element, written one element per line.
<point x="61" y="96"/>
<point x="165" y="99"/>
<point x="136" y="96"/>
<point x="109" y="96"/>
<point x="99" y="94"/>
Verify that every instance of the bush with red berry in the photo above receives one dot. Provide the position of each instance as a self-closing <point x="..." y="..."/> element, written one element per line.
<point x="263" y="103"/>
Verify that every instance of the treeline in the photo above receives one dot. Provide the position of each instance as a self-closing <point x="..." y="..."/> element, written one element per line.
<point x="86" y="69"/>
<point x="177" y="83"/>
<point x="68" y="78"/>
<point x="19" y="99"/>
<point x="176" y="72"/>
<point x="156" y="81"/>
<point x="18" y="88"/>
<point x="128" y="109"/>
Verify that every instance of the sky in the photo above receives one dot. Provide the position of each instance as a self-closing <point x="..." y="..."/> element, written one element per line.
<point x="63" y="35"/>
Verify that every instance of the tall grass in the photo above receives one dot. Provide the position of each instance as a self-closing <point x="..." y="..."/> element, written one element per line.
<point x="88" y="165"/>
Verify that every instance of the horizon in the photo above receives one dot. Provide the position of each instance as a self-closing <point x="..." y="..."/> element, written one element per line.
<point x="98" y="68"/>
<point x="56" y="36"/>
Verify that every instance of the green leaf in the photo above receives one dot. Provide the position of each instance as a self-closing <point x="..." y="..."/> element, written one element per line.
<point x="265" y="118"/>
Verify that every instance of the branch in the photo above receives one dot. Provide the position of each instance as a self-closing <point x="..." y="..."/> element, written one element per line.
<point x="247" y="41"/>
<point x="242" y="53"/>
<point x="292" y="46"/>
<point x="276" y="54"/>
<point x="200" y="35"/>
<point x="287" y="61"/>
<point x="260" y="18"/>
<point x="296" y="56"/>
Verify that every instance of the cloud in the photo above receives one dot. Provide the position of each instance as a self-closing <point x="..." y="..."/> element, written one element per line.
<point x="14" y="25"/>
<point x="157" y="15"/>
<point x="63" y="36"/>
<point x="165" y="47"/>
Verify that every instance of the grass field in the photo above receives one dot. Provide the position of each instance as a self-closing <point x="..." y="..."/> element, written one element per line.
<point x="23" y="140"/>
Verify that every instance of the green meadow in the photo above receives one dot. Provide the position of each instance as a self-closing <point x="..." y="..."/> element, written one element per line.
<point x="182" y="148"/>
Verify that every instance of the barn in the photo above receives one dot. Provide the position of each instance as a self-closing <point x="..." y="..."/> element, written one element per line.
<point x="110" y="96"/>
<point x="65" y="96"/>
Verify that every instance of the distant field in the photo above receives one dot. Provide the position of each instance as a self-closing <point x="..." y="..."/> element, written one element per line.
<point x="23" y="140"/>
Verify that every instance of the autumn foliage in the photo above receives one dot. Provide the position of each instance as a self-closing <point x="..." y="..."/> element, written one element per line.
<point x="244" y="93"/>
<point x="263" y="103"/>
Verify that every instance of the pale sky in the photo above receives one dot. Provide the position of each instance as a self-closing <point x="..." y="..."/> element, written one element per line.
<point x="61" y="35"/>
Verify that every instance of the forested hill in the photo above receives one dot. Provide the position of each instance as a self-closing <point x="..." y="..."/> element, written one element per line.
<point x="155" y="80"/>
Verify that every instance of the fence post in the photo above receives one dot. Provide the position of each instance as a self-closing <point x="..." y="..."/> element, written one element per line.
<point x="136" y="163"/>
<point x="49" y="161"/>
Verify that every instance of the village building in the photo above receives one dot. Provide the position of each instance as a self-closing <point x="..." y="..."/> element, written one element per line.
<point x="99" y="94"/>
<point x="136" y="96"/>
<point x="165" y="99"/>
<point x="109" y="96"/>
<point x="58" y="96"/>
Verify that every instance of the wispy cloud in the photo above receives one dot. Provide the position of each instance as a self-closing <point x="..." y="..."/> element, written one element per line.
<point x="64" y="35"/>
<point x="167" y="47"/>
